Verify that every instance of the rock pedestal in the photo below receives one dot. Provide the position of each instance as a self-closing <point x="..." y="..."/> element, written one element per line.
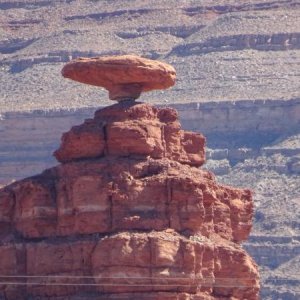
<point x="126" y="215"/>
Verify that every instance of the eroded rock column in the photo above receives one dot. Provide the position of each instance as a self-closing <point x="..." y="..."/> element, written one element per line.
<point x="128" y="214"/>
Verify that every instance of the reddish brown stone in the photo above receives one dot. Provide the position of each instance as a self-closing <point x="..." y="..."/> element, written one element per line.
<point x="155" y="263"/>
<point x="127" y="216"/>
<point x="133" y="129"/>
<point x="84" y="141"/>
<point x="125" y="77"/>
<point x="104" y="196"/>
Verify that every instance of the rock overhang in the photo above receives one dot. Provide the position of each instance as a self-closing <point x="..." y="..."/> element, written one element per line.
<point x="125" y="76"/>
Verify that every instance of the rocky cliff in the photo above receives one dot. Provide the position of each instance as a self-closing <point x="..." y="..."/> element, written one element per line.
<point x="27" y="139"/>
<point x="128" y="214"/>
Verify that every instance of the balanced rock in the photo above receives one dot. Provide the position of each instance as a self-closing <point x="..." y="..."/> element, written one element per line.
<point x="127" y="214"/>
<point x="125" y="77"/>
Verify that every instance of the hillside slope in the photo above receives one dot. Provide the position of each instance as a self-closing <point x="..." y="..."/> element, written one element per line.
<point x="233" y="50"/>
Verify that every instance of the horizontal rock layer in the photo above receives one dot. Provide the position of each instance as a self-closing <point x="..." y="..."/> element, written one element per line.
<point x="163" y="264"/>
<point x="109" y="195"/>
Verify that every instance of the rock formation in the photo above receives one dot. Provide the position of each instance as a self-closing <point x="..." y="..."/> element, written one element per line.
<point x="124" y="76"/>
<point x="127" y="215"/>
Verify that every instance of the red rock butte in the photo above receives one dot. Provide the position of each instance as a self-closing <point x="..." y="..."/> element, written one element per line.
<point x="125" y="77"/>
<point x="128" y="214"/>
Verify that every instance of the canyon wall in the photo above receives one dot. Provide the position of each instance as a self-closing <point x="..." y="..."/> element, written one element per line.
<point x="256" y="116"/>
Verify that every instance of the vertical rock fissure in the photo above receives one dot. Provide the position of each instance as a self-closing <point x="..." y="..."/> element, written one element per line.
<point x="110" y="201"/>
<point x="53" y="192"/>
<point x="151" y="263"/>
<point x="13" y="213"/>
<point x="105" y="136"/>
<point x="169" y="200"/>
<point x="21" y="258"/>
<point x="91" y="270"/>
<point x="163" y="141"/>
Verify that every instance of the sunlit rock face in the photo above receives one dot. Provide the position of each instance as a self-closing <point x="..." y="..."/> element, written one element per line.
<point x="127" y="214"/>
<point x="128" y="209"/>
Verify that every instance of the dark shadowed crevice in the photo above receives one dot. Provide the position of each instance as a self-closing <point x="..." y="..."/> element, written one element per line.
<point x="111" y="216"/>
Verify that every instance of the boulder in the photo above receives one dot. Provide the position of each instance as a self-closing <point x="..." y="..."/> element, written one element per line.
<point x="125" y="76"/>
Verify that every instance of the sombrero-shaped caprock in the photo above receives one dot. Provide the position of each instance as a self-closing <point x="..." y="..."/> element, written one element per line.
<point x="125" y="76"/>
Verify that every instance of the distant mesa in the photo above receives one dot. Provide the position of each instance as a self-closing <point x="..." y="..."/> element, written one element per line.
<point x="125" y="77"/>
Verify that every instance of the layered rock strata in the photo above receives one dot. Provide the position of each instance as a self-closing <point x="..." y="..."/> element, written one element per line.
<point x="127" y="215"/>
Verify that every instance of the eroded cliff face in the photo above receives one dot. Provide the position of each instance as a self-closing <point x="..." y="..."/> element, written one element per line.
<point x="126" y="215"/>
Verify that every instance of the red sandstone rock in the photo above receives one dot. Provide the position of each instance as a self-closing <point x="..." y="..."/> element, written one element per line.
<point x="152" y="263"/>
<point x="125" y="77"/>
<point x="127" y="216"/>
<point x="129" y="129"/>
<point x="104" y="196"/>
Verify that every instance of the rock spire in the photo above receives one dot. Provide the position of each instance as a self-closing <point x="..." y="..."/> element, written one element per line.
<point x="128" y="214"/>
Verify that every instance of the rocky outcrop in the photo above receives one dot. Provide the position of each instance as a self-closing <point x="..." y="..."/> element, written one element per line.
<point x="126" y="215"/>
<point x="138" y="130"/>
<point x="245" y="54"/>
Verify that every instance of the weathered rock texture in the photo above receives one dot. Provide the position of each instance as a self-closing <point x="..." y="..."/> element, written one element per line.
<point x="133" y="130"/>
<point x="125" y="76"/>
<point x="126" y="216"/>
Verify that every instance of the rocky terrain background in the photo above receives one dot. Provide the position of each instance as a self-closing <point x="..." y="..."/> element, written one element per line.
<point x="237" y="64"/>
<point x="222" y="50"/>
